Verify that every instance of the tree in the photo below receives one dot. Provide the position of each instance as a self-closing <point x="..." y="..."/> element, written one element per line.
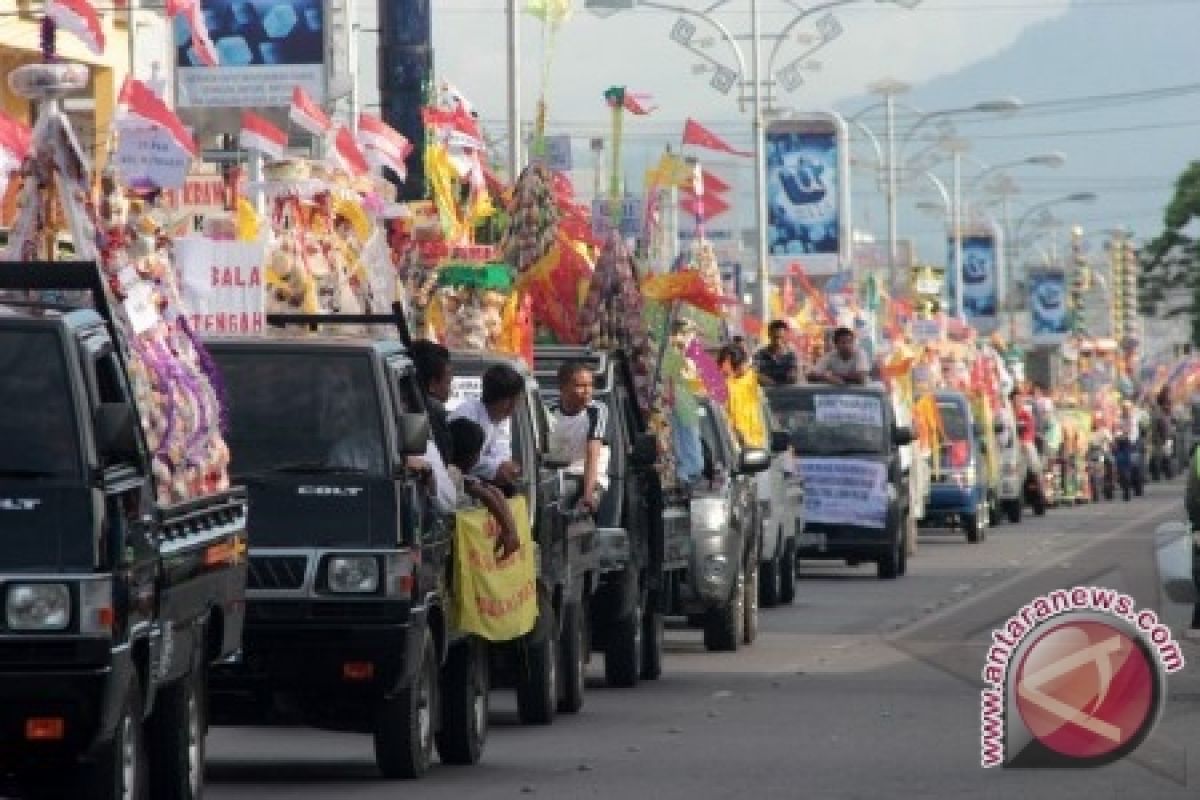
<point x="1172" y="258"/>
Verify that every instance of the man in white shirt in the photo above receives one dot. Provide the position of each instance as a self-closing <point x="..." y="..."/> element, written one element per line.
<point x="579" y="426"/>
<point x="845" y="363"/>
<point x="502" y="388"/>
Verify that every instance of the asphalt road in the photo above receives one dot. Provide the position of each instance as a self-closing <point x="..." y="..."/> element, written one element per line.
<point x="862" y="689"/>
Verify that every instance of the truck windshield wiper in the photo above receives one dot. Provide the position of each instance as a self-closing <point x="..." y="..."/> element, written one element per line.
<point x="14" y="472"/>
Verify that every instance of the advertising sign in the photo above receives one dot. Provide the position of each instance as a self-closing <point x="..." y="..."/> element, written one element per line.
<point x="222" y="285"/>
<point x="981" y="276"/>
<point x="150" y="157"/>
<point x="845" y="491"/>
<point x="1050" y="317"/>
<point x="808" y="202"/>
<point x="265" y="49"/>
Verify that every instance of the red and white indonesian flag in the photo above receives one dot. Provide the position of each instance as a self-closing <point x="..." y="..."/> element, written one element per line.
<point x="15" y="141"/>
<point x="258" y="134"/>
<point x="141" y="107"/>
<point x="308" y="115"/>
<point x="202" y="42"/>
<point x="383" y="145"/>
<point x="347" y="153"/>
<point x="81" y="19"/>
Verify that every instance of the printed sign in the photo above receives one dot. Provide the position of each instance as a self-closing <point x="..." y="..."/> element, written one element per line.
<point x="464" y="387"/>
<point x="980" y="276"/>
<point x="848" y="409"/>
<point x="265" y="50"/>
<point x="558" y="153"/>
<point x="494" y="599"/>
<point x="150" y="156"/>
<point x="222" y="285"/>
<point x="807" y="199"/>
<point x="845" y="491"/>
<point x="926" y="330"/>
<point x="1050" y="317"/>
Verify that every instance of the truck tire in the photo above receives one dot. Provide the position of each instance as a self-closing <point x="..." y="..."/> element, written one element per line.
<point x="770" y="574"/>
<point x="404" y="722"/>
<point x="1012" y="509"/>
<point x="972" y="528"/>
<point x="993" y="511"/>
<point x="750" y="626"/>
<point x="624" y="646"/>
<point x="723" y="627"/>
<point x="119" y="771"/>
<point x="464" y="703"/>
<point x="787" y="574"/>
<point x="176" y="736"/>
<point x="888" y="567"/>
<point x="537" y="685"/>
<point x="573" y="653"/>
<point x="653" y="640"/>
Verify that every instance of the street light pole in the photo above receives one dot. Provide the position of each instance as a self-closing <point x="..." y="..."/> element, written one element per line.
<point x="514" y="91"/>
<point x="760" y="169"/>
<point x="958" y="266"/>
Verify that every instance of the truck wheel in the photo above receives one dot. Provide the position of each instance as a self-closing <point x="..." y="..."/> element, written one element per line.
<point x="1012" y="509"/>
<point x="120" y="770"/>
<point x="888" y="567"/>
<point x="404" y="722"/>
<point x="787" y="574"/>
<point x="993" y="511"/>
<point x="653" y="636"/>
<point x="625" y="642"/>
<point x="175" y="741"/>
<point x="769" y="576"/>
<point x="464" y="696"/>
<point x="723" y="626"/>
<point x="750" y="605"/>
<point x="970" y="525"/>
<point x="537" y="686"/>
<point x="572" y="660"/>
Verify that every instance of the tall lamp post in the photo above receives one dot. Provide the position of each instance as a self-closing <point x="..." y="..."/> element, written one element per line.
<point x="725" y="78"/>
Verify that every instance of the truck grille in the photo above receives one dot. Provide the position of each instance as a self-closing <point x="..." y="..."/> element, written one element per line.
<point x="276" y="572"/>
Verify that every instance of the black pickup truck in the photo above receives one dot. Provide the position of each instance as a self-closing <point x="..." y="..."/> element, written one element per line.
<point x="114" y="605"/>
<point x="547" y="665"/>
<point x="642" y="537"/>
<point x="347" y="624"/>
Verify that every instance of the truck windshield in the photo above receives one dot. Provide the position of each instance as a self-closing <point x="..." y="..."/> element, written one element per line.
<point x="38" y="434"/>
<point x="956" y="449"/>
<point x="831" y="423"/>
<point x="303" y="412"/>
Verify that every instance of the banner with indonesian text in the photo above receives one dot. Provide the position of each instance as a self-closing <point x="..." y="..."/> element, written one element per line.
<point x="496" y="600"/>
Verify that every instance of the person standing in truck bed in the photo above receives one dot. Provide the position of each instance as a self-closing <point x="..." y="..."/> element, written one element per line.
<point x="502" y="388"/>
<point x="578" y="428"/>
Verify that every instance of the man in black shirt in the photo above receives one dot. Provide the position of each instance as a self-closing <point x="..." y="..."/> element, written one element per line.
<point x="776" y="363"/>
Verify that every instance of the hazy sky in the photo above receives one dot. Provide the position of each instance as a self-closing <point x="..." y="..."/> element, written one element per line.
<point x="953" y="52"/>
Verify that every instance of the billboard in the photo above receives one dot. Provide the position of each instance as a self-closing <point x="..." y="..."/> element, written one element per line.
<point x="981" y="276"/>
<point x="808" y="203"/>
<point x="1048" y="307"/>
<point x="265" y="49"/>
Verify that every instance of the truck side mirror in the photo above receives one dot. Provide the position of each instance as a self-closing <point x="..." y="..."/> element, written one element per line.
<point x="781" y="442"/>
<point x="753" y="460"/>
<point x="116" y="435"/>
<point x="412" y="433"/>
<point x="645" y="451"/>
<point x="902" y="436"/>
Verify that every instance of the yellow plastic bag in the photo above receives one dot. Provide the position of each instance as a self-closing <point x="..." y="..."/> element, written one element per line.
<point x="494" y="600"/>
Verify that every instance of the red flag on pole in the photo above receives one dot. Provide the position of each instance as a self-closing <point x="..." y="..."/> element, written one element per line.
<point x="307" y="114"/>
<point x="81" y="19"/>
<point x="138" y="102"/>
<point x="258" y="134"/>
<point x="713" y="184"/>
<point x="707" y="207"/>
<point x="202" y="43"/>
<point x="696" y="134"/>
<point x="349" y="156"/>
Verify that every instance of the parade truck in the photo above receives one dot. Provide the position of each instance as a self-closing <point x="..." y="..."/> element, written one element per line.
<point x="642" y="534"/>
<point x="115" y="602"/>
<point x="348" y="622"/>
<point x="547" y="665"/>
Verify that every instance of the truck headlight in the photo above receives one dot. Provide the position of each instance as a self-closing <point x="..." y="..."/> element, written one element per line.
<point x="352" y="574"/>
<point x="710" y="514"/>
<point x="38" y="607"/>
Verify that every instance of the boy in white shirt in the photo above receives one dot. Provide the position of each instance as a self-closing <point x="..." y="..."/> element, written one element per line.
<point x="466" y="441"/>
<point x="579" y="427"/>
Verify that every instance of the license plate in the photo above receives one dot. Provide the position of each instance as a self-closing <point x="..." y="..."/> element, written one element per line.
<point x="816" y="540"/>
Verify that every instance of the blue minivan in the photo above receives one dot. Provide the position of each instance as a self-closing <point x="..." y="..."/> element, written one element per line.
<point x="959" y="494"/>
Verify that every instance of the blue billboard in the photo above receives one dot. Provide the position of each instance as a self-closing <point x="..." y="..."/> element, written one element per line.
<point x="1050" y="316"/>
<point x="981" y="276"/>
<point x="806" y="194"/>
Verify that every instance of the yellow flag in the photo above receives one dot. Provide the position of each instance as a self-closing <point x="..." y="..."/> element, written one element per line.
<point x="496" y="600"/>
